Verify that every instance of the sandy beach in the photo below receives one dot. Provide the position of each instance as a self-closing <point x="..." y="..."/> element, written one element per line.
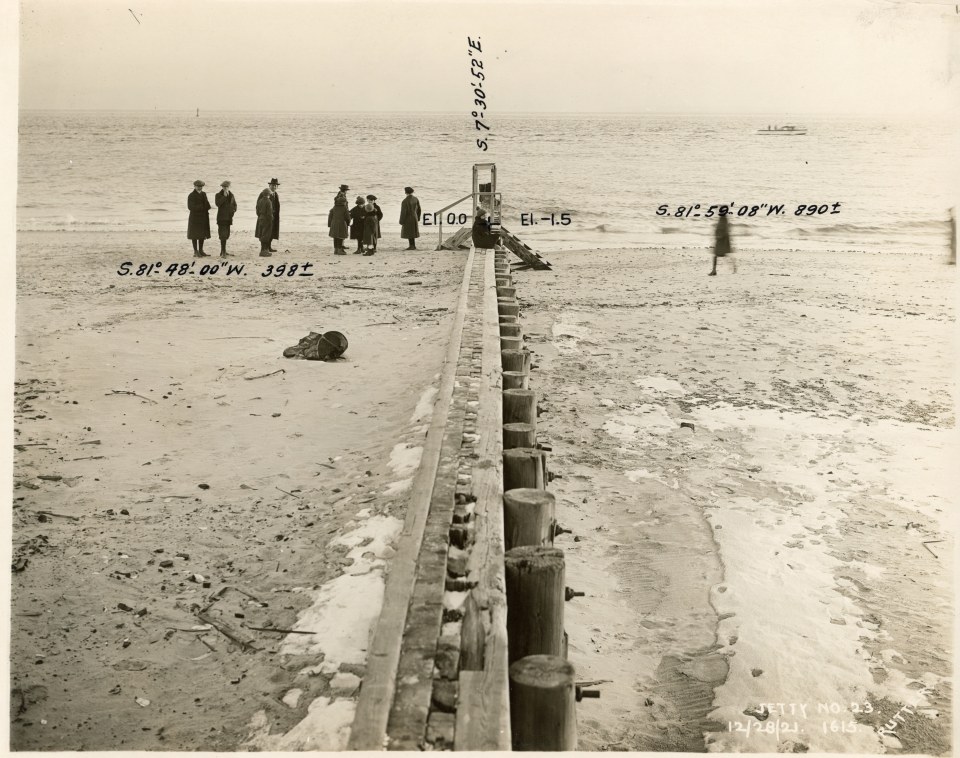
<point x="756" y="579"/>
<point x="163" y="460"/>
<point x="287" y="487"/>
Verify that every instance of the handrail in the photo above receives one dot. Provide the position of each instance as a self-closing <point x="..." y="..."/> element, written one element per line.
<point x="494" y="196"/>
<point x="441" y="212"/>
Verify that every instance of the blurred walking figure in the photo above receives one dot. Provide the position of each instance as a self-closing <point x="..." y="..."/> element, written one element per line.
<point x="356" y="224"/>
<point x="339" y="222"/>
<point x="226" y="207"/>
<point x="410" y="218"/>
<point x="198" y="225"/>
<point x="721" y="245"/>
<point x="264" y="230"/>
<point x="371" y="228"/>
<point x="372" y="199"/>
<point x="953" y="236"/>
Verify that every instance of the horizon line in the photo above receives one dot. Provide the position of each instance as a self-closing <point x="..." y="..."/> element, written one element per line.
<point x="782" y="114"/>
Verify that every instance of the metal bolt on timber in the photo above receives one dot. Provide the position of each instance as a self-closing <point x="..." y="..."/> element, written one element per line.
<point x="534" y="579"/>
<point x="543" y="704"/>
<point x="569" y="593"/>
<point x="524" y="467"/>
<point x="516" y="380"/>
<point x="528" y="516"/>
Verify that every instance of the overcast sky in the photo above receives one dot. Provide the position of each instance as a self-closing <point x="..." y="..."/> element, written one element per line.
<point x="844" y="56"/>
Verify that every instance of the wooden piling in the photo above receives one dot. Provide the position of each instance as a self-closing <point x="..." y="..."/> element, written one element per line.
<point x="506" y="291"/>
<point x="519" y="434"/>
<point x="528" y="518"/>
<point x="515" y="380"/>
<point x="507" y="319"/>
<point x="520" y="406"/>
<point x="508" y="308"/>
<point x="515" y="360"/>
<point x="510" y="330"/>
<point x="524" y="467"/>
<point x="511" y="343"/>
<point x="534" y="577"/>
<point x="543" y="710"/>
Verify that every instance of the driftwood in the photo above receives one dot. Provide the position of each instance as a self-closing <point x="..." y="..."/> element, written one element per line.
<point x="127" y="392"/>
<point x="263" y="376"/>
<point x="358" y="287"/>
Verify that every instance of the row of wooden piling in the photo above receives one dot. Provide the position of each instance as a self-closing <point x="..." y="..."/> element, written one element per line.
<point x="543" y="689"/>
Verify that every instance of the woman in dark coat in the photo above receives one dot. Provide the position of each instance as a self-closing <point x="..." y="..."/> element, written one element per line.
<point x="371" y="227"/>
<point x="338" y="220"/>
<point x="226" y="208"/>
<point x="721" y="246"/>
<point x="356" y="224"/>
<point x="483" y="238"/>
<point x="410" y="218"/>
<point x="198" y="225"/>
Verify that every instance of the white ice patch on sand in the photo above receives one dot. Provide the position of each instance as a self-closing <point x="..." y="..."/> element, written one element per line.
<point x="424" y="409"/>
<point x="653" y="385"/>
<point x="625" y="426"/>
<point x="395" y="488"/>
<point x="566" y="334"/>
<point x="405" y="458"/>
<point x="345" y="609"/>
<point x="325" y="727"/>
<point x="777" y="567"/>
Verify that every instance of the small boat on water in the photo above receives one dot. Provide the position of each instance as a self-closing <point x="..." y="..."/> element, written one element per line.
<point x="785" y="129"/>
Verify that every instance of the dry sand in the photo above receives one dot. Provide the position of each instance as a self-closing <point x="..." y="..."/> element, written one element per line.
<point x="773" y="553"/>
<point x="288" y="487"/>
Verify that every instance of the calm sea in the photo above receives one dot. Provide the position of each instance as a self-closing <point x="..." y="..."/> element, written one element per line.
<point x="133" y="171"/>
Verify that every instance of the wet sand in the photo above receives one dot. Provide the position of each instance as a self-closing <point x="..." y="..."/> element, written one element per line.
<point x="154" y="460"/>
<point x="763" y="568"/>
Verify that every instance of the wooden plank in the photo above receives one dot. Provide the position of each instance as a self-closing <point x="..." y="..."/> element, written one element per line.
<point x="483" y="718"/>
<point x="369" y="729"/>
<point x="523" y="251"/>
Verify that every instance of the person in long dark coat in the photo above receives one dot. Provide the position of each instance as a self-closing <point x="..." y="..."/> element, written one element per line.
<point x="275" y="199"/>
<point x="371" y="228"/>
<point x="483" y="238"/>
<point x="198" y="225"/>
<point x="410" y="218"/>
<point x="721" y="245"/>
<point x="372" y="199"/>
<point x="264" y="230"/>
<point x="226" y="207"/>
<point x="338" y="220"/>
<point x="356" y="224"/>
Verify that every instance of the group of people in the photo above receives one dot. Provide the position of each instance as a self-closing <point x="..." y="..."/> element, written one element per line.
<point x="360" y="223"/>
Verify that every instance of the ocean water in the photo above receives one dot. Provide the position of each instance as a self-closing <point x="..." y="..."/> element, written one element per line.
<point x="117" y="171"/>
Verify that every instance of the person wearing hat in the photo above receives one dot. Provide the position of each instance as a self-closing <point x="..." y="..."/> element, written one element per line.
<point x="338" y="220"/>
<point x="372" y="200"/>
<point x="344" y="189"/>
<point x="483" y="237"/>
<point x="226" y="207"/>
<point x="410" y="218"/>
<point x="264" y="229"/>
<point x="356" y="224"/>
<point x="275" y="199"/>
<point x="198" y="225"/>
<point x="371" y="228"/>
